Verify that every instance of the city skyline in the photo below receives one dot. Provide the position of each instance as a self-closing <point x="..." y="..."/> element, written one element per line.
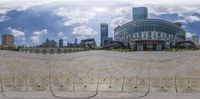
<point x="31" y="23"/>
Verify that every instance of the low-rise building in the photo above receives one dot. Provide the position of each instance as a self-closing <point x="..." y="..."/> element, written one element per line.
<point x="195" y="39"/>
<point x="88" y="42"/>
<point x="49" y="44"/>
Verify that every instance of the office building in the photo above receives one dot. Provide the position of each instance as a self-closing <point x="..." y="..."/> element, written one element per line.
<point x="140" y="13"/>
<point x="7" y="40"/>
<point x="104" y="32"/>
<point x="49" y="44"/>
<point x="88" y="42"/>
<point x="149" y="34"/>
<point x="61" y="43"/>
<point x="195" y="39"/>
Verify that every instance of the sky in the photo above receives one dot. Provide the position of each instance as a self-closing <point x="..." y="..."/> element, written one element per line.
<point x="32" y="21"/>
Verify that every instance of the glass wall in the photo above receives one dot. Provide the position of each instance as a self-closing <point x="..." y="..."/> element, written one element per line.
<point x="151" y="25"/>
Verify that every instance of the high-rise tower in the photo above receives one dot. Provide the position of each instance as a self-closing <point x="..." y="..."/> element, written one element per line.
<point x="140" y="13"/>
<point x="104" y="32"/>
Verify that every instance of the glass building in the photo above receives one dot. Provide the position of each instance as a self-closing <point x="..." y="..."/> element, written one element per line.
<point x="61" y="43"/>
<point x="104" y="32"/>
<point x="140" y="13"/>
<point x="149" y="34"/>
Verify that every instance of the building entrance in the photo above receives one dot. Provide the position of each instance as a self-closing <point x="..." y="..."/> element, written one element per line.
<point x="149" y="45"/>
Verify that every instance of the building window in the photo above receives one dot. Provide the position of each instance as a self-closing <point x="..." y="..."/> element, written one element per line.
<point x="149" y="33"/>
<point x="167" y="35"/>
<point x="154" y="35"/>
<point x="136" y="36"/>
<point x="140" y="34"/>
<point x="145" y="36"/>
<point x="159" y="34"/>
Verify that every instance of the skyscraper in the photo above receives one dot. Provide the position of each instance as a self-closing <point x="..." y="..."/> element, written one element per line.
<point x="140" y="13"/>
<point x="76" y="41"/>
<point x="104" y="32"/>
<point x="7" y="40"/>
<point x="61" y="43"/>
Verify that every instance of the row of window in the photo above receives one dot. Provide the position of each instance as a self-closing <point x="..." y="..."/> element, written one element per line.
<point x="150" y="26"/>
<point x="148" y="36"/>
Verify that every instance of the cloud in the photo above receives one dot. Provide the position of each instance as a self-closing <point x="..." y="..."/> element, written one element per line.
<point x="64" y="37"/>
<point x="189" y="35"/>
<point x="21" y="5"/>
<point x="4" y="11"/>
<point x="118" y="21"/>
<point x="60" y="34"/>
<point x="81" y="37"/>
<point x="123" y="11"/>
<point x="192" y="19"/>
<point x="180" y="20"/>
<point x="23" y="38"/>
<point x="76" y="16"/>
<point x="76" y="21"/>
<point x="83" y="30"/>
<point x="17" y="33"/>
<point x="3" y="18"/>
<point x="37" y="36"/>
<point x="184" y="13"/>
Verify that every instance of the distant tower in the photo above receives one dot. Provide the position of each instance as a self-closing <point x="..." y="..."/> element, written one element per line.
<point x="195" y="39"/>
<point x="7" y="40"/>
<point x="61" y="43"/>
<point x="104" y="32"/>
<point x="140" y="13"/>
<point x="76" y="41"/>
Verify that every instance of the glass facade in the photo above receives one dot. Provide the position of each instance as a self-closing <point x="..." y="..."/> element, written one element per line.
<point x="140" y="13"/>
<point x="104" y="32"/>
<point x="150" y="29"/>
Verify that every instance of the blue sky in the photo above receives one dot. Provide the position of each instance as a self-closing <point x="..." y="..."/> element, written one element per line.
<point x="32" y="21"/>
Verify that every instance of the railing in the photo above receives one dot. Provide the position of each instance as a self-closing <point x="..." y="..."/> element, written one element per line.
<point x="53" y="50"/>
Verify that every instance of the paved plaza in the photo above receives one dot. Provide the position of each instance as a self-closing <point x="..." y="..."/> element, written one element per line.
<point x="100" y="74"/>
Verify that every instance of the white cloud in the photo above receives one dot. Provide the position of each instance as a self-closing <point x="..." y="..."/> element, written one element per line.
<point x="60" y="34"/>
<point x="40" y="32"/>
<point x="76" y="16"/>
<point x="64" y="37"/>
<point x="118" y="21"/>
<point x="37" y="36"/>
<point x="181" y="20"/>
<point x="192" y="18"/>
<point x="23" y="38"/>
<point x="3" y="18"/>
<point x="76" y="21"/>
<point x="17" y="33"/>
<point x="83" y="30"/>
<point x="20" y="5"/>
<point x="189" y="35"/>
<point x="81" y="37"/>
<point x="4" y="11"/>
<point x="185" y="13"/>
<point x="123" y="11"/>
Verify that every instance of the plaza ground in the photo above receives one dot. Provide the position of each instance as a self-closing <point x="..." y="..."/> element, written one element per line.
<point x="146" y="75"/>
